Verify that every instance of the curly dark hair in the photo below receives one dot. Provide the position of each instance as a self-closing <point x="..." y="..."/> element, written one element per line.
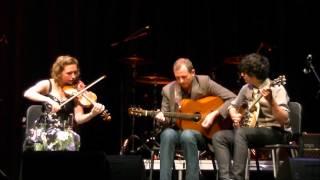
<point x="255" y="65"/>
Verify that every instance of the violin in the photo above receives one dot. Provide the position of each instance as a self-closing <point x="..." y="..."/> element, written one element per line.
<point x="86" y="98"/>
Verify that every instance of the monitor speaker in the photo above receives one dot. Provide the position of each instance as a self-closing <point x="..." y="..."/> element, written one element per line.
<point x="124" y="167"/>
<point x="310" y="145"/>
<point x="64" y="165"/>
<point x="300" y="169"/>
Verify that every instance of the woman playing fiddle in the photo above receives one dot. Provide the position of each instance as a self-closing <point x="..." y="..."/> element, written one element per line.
<point x="65" y="71"/>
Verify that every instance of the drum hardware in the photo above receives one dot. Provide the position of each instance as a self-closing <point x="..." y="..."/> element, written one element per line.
<point x="150" y="142"/>
<point x="133" y="61"/>
<point x="153" y="80"/>
<point x="138" y="34"/>
<point x="3" y="175"/>
<point x="135" y="144"/>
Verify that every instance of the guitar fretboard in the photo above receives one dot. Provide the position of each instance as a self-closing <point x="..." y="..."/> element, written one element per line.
<point x="186" y="116"/>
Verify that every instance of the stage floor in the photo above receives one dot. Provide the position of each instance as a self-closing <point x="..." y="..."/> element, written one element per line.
<point x="207" y="170"/>
<point x="207" y="165"/>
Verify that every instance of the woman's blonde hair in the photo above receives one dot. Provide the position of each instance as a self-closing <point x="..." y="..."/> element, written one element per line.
<point x="60" y="63"/>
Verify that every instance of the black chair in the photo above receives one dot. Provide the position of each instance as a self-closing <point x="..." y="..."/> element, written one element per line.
<point x="33" y="114"/>
<point x="292" y="147"/>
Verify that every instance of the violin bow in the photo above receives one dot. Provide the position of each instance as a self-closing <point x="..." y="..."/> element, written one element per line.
<point x="83" y="90"/>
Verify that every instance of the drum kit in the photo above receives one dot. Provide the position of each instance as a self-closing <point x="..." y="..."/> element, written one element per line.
<point x="135" y="144"/>
<point x="155" y="80"/>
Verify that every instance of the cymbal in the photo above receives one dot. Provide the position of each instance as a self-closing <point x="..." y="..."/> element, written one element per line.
<point x="233" y="60"/>
<point x="134" y="59"/>
<point x="154" y="79"/>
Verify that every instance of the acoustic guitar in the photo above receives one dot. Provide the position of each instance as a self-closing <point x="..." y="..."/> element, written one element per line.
<point x="191" y="115"/>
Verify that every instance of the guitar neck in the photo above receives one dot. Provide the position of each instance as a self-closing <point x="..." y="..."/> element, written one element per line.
<point x="185" y="116"/>
<point x="259" y="97"/>
<point x="190" y="115"/>
<point x="281" y="80"/>
<point x="255" y="102"/>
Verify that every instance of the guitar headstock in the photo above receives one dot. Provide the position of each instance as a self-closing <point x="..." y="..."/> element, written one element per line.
<point x="280" y="80"/>
<point x="134" y="111"/>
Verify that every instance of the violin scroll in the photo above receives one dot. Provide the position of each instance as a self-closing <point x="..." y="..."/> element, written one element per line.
<point x="106" y="115"/>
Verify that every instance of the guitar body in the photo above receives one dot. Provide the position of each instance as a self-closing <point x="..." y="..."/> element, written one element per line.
<point x="203" y="107"/>
<point x="250" y="117"/>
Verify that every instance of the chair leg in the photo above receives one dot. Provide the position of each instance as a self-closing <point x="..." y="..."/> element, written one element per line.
<point x="215" y="169"/>
<point x="247" y="170"/>
<point x="294" y="152"/>
<point x="180" y="174"/>
<point x="256" y="158"/>
<point x="151" y="164"/>
<point x="275" y="161"/>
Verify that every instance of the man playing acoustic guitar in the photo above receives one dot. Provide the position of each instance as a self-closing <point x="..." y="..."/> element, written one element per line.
<point x="189" y="94"/>
<point x="265" y="120"/>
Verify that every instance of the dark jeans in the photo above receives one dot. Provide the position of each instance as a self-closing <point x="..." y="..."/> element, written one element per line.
<point x="190" y="141"/>
<point x="234" y="144"/>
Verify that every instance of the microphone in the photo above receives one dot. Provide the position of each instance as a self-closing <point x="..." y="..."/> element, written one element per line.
<point x="307" y="69"/>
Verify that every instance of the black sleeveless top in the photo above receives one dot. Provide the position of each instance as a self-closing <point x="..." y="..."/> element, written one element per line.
<point x="66" y="110"/>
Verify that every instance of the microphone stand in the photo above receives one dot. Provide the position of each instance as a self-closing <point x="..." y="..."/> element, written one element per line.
<point x="133" y="92"/>
<point x="310" y="65"/>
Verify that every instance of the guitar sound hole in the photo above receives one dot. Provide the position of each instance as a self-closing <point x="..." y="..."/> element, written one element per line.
<point x="197" y="116"/>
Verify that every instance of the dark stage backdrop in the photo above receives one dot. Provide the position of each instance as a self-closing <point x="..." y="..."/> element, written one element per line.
<point x="101" y="34"/>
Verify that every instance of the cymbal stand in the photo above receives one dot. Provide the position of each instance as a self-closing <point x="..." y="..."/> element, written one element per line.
<point x="133" y="92"/>
<point x="124" y="144"/>
<point x="140" y="33"/>
<point x="155" y="105"/>
<point x="156" y="145"/>
<point x="152" y="139"/>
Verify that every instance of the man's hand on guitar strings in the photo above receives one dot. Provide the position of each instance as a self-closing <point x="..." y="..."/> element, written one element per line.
<point x="236" y="117"/>
<point x="160" y="116"/>
<point x="209" y="119"/>
<point x="267" y="94"/>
